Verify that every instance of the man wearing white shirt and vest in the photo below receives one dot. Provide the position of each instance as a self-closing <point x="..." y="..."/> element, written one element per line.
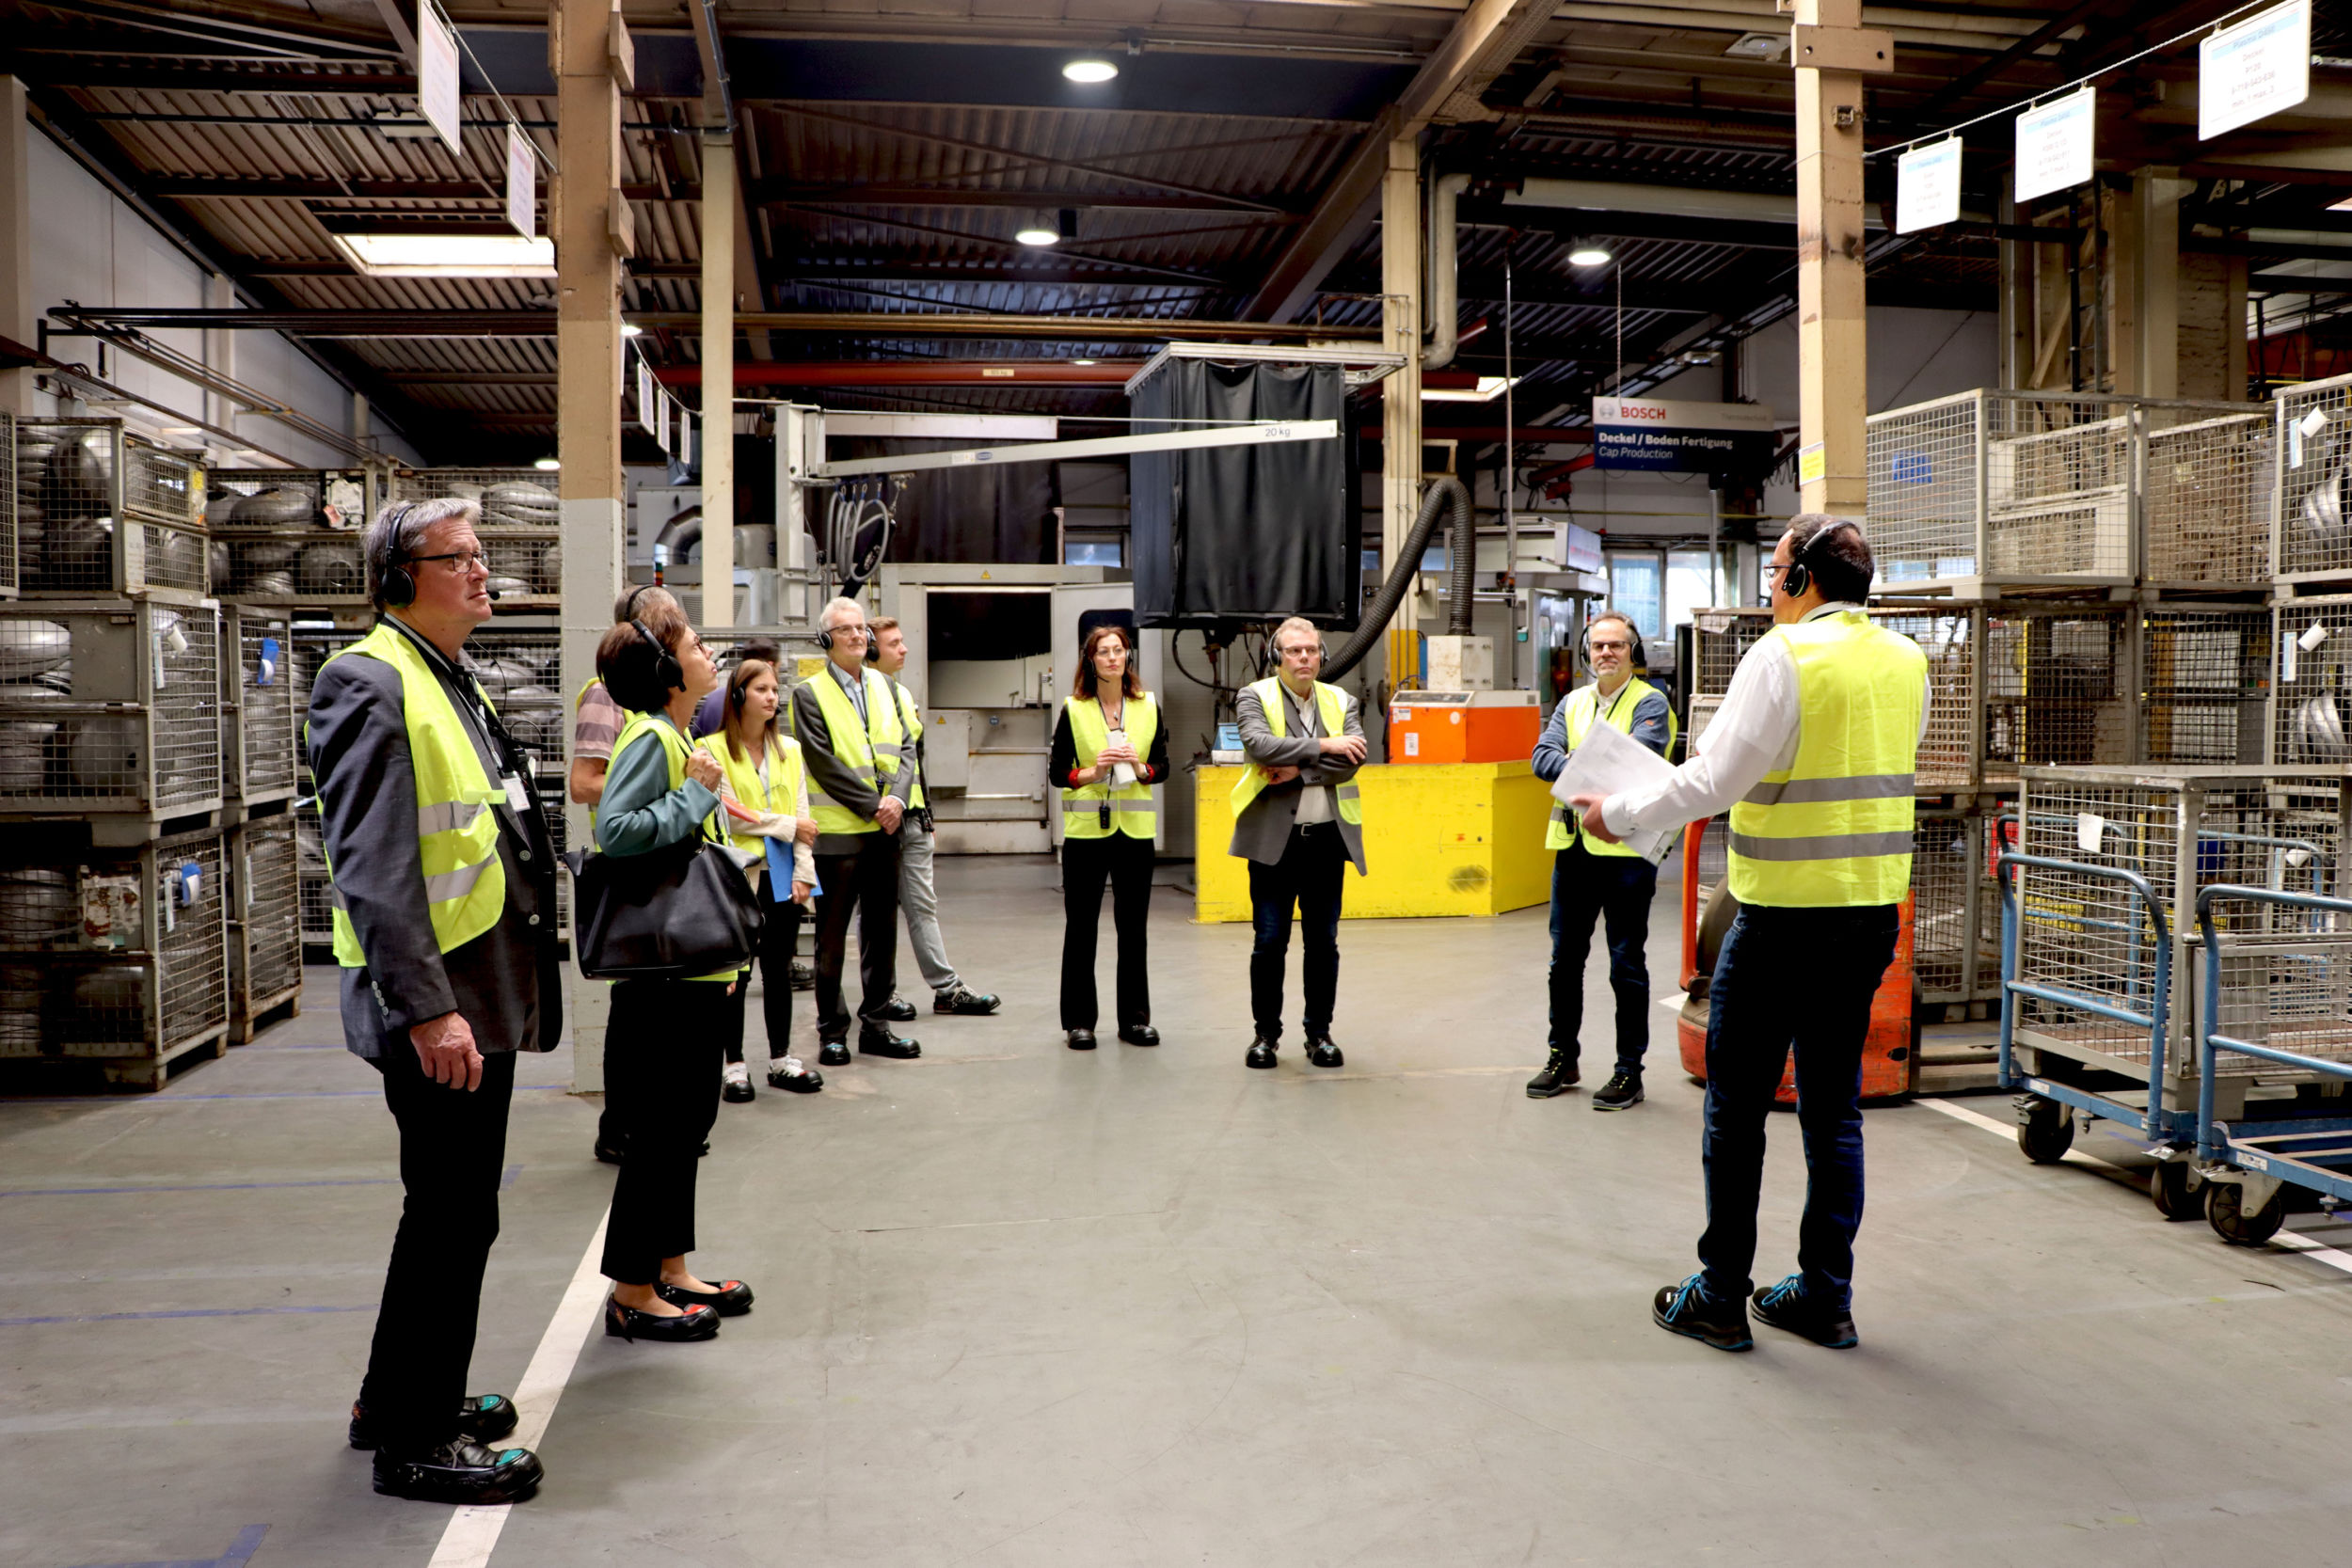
<point x="1596" y="881"/>
<point x="1813" y="754"/>
<point x="1298" y="822"/>
<point x="848" y="723"/>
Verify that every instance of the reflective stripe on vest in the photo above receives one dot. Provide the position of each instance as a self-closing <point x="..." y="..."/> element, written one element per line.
<point x="781" y="793"/>
<point x="1131" y="811"/>
<point x="868" y="749"/>
<point x="457" y="832"/>
<point x="1331" y="708"/>
<point x="1559" y="832"/>
<point x="1834" y="828"/>
<point x="675" y="748"/>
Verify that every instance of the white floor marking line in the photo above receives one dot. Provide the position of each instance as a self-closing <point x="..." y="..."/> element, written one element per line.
<point x="2319" y="1252"/>
<point x="473" y="1532"/>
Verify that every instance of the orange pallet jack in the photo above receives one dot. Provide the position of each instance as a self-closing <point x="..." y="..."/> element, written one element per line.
<point x="1890" y="1055"/>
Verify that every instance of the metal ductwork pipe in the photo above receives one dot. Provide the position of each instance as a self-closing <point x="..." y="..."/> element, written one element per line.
<point x="1444" y="492"/>
<point x="1445" y="295"/>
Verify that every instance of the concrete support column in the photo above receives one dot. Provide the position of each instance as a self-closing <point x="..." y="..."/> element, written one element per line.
<point x="588" y="389"/>
<point x="1400" y="328"/>
<point x="2155" y="270"/>
<point x="719" y="211"/>
<point x="17" y="317"/>
<point x="1832" y="343"/>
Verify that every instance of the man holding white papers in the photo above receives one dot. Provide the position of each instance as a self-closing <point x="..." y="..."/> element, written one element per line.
<point x="1597" y="881"/>
<point x="1813" y="754"/>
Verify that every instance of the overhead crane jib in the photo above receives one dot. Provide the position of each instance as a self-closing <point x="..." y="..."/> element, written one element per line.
<point x="1268" y="433"/>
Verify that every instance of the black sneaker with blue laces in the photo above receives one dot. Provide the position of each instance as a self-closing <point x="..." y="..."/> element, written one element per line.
<point x="1685" y="1310"/>
<point x="1785" y="1305"/>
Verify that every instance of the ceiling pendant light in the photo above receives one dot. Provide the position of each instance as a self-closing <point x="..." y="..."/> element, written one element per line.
<point x="1089" y="70"/>
<point x="1589" y="253"/>
<point x="1038" y="235"/>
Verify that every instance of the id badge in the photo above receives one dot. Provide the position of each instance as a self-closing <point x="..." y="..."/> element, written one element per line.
<point x="516" y="800"/>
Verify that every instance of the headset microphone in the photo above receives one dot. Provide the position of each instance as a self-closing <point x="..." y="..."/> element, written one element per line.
<point x="495" y="595"/>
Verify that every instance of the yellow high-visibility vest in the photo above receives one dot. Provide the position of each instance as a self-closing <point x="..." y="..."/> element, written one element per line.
<point x="1558" y="833"/>
<point x="911" y="728"/>
<point x="457" y="832"/>
<point x="781" y="793"/>
<point x="1131" y="809"/>
<point x="872" y="753"/>
<point x="674" y="750"/>
<point x="1331" y="706"/>
<point x="1834" y="829"/>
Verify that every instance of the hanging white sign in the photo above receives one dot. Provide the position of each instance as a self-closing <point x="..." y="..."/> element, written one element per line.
<point x="2254" y="69"/>
<point x="1927" y="186"/>
<point x="645" y="393"/>
<point x="2053" y="145"/>
<point x="685" y="438"/>
<point x="661" y="423"/>
<point x="522" y="175"/>
<point x="437" y="78"/>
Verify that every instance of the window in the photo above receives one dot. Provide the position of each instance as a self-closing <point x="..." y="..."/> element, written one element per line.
<point x="1634" y="589"/>
<point x="1691" y="585"/>
<point x="1094" y="552"/>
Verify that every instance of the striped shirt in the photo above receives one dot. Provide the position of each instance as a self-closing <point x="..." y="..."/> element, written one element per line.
<point x="598" y="724"/>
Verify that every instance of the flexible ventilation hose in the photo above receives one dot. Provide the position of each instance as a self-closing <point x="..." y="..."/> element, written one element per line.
<point x="1444" y="492"/>
<point x="1461" y="555"/>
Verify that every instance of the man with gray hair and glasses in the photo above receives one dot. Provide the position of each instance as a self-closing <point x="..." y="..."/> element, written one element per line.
<point x="443" y="874"/>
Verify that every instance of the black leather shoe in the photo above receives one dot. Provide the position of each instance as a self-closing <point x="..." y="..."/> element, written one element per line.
<point x="1080" y="1039"/>
<point x="900" y="1010"/>
<point x="611" y="1151"/>
<point x="964" y="1002"/>
<point x="460" y="1471"/>
<point x="1559" y="1074"/>
<point x="1784" y="1306"/>
<point x="1681" y="1309"/>
<point x="484" y="1419"/>
<point x="804" y="977"/>
<point x="1261" y="1052"/>
<point x="1321" y="1051"/>
<point x="628" y="1322"/>
<point x="834" y="1053"/>
<point x="732" y="1299"/>
<point x="1139" y="1034"/>
<point x="881" y="1042"/>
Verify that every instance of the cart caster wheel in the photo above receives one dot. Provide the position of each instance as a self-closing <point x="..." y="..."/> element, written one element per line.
<point x="2046" y="1129"/>
<point x="2225" y="1211"/>
<point x="2175" y="1199"/>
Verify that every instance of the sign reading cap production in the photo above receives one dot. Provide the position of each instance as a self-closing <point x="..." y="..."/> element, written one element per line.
<point x="2254" y="69"/>
<point x="437" y="78"/>
<point x="1682" y="438"/>
<point x="2053" y="145"/>
<point x="1927" y="186"/>
<point x="522" y="207"/>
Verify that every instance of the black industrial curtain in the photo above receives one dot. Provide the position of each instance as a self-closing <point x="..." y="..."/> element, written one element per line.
<point x="979" y="513"/>
<point x="1243" y="533"/>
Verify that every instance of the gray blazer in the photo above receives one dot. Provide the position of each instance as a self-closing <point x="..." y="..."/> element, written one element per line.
<point x="1264" y="831"/>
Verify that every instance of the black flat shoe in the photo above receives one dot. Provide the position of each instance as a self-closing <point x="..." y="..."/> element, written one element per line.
<point x="966" y="1003"/>
<point x="484" y="1419"/>
<point x="900" y="1010"/>
<point x="1261" y="1052"/>
<point x="881" y="1042"/>
<point x="1321" y="1051"/>
<point x="1080" y="1039"/>
<point x="460" y="1471"/>
<point x="732" y="1299"/>
<point x="1139" y="1034"/>
<point x="628" y="1322"/>
<point x="834" y="1053"/>
<point x="611" y="1153"/>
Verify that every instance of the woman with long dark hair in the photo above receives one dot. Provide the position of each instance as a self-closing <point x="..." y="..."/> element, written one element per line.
<point x="1109" y="749"/>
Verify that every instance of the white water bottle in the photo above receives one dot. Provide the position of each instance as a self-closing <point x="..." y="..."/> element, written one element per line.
<point x="1123" y="773"/>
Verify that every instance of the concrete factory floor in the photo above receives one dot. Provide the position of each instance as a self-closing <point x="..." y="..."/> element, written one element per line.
<point x="1019" y="1305"/>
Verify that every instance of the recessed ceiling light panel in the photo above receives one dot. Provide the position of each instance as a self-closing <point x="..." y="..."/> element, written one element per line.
<point x="1759" y="46"/>
<point x="483" y="255"/>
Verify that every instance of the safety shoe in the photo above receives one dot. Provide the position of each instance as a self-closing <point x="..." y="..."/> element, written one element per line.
<point x="1322" y="1053"/>
<point x="460" y="1471"/>
<point x="1558" y="1074"/>
<point x="484" y="1419"/>
<point x="1784" y="1306"/>
<point x="898" y="1010"/>
<point x="794" y="1076"/>
<point x="803" y="976"/>
<point x="834" y="1053"/>
<point x="736" y="1084"/>
<point x="1261" y="1052"/>
<point x="1684" y="1310"/>
<point x="963" y="1000"/>
<point x="1622" y="1090"/>
<point x="881" y="1042"/>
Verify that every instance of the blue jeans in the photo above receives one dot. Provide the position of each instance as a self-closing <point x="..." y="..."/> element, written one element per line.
<point x="1615" y="889"/>
<point x="1800" y="977"/>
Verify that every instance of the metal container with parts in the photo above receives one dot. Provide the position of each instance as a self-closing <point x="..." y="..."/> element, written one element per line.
<point x="265" y="932"/>
<point x="100" y="511"/>
<point x="257" y="716"/>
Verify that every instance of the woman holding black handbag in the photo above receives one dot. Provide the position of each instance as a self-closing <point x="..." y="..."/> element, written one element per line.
<point x="664" y="1038"/>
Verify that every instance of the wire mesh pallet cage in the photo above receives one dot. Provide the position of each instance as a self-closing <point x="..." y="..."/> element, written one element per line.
<point x="2056" y="688"/>
<point x="111" y="707"/>
<point x="264" y="924"/>
<point x="313" y="891"/>
<point x="1955" y="951"/>
<point x="286" y="536"/>
<point x="115" y="956"/>
<point x="2204" y="684"/>
<point x="258" y="716"/>
<point x="2206" y="508"/>
<point x="2312" y="511"/>
<point x="100" y="511"/>
<point x="2087" y="930"/>
<point x="518" y="527"/>
<point x="10" y="565"/>
<point x="520" y="669"/>
<point x="2311" y="689"/>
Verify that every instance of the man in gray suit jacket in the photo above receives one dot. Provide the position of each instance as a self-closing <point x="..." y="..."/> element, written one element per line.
<point x="1298" y="821"/>
<point x="444" y="877"/>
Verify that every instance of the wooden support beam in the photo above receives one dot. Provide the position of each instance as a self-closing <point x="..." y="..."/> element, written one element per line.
<point x="1833" y="342"/>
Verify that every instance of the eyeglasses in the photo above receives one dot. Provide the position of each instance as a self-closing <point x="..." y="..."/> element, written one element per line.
<point x="1611" y="645"/>
<point x="466" y="561"/>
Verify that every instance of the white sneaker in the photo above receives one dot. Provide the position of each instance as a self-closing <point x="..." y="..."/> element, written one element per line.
<point x="735" y="1085"/>
<point x="794" y="1075"/>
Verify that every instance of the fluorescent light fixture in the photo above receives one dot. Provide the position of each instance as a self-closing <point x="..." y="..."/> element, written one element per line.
<point x="2344" y="206"/>
<point x="483" y="255"/>
<point x="1082" y="361"/>
<point x="180" y="430"/>
<point x="1037" y="233"/>
<point x="1589" y="253"/>
<point x="1488" y="389"/>
<point x="631" y="329"/>
<point x="1090" y="71"/>
<point x="546" y="464"/>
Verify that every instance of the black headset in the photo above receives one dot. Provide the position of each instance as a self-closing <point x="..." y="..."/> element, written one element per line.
<point x="1640" y="650"/>
<point x="667" y="673"/>
<point x="1799" y="577"/>
<point x="873" y="646"/>
<point x="398" y="588"/>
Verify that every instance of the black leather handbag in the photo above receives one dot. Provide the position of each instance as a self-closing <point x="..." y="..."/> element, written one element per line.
<point x="676" y="913"/>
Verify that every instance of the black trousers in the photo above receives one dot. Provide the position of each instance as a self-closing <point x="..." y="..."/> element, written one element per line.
<point x="662" y="1044"/>
<point x="453" y="1151"/>
<point x="1617" y="891"/>
<point x="866" y="883"/>
<point x="777" y="938"/>
<point x="1308" y="876"/>
<point x="1086" y="863"/>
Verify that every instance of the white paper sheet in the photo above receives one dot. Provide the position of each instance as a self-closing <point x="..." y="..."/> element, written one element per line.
<point x="1609" y="761"/>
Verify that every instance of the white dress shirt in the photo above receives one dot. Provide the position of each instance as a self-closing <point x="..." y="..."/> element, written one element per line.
<point x="1753" y="734"/>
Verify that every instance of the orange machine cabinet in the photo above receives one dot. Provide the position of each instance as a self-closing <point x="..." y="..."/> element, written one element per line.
<point x="1463" y="726"/>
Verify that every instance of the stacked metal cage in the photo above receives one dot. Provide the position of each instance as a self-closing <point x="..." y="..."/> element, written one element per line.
<point x="10" y="566"/>
<point x="286" y="537"/>
<point x="518" y="528"/>
<point x="257" y="716"/>
<point x="109" y="707"/>
<point x="264" y="924"/>
<point x="315" y="641"/>
<point x="100" y="511"/>
<point x="2207" y="494"/>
